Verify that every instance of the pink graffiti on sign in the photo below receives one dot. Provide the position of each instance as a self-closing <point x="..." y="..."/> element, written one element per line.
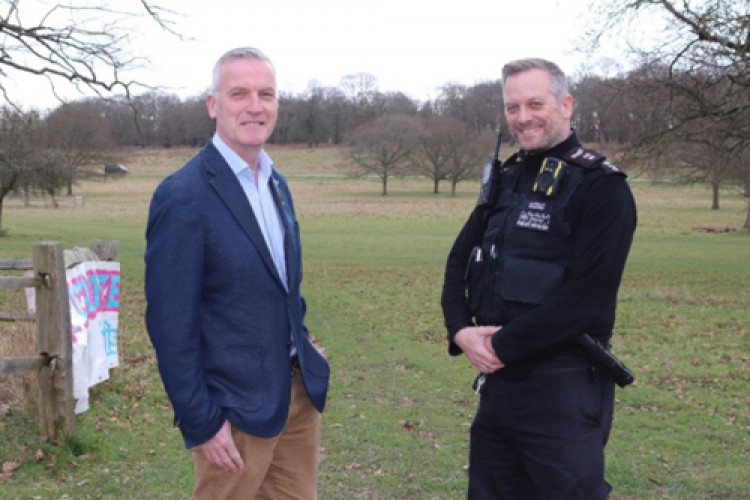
<point x="95" y="292"/>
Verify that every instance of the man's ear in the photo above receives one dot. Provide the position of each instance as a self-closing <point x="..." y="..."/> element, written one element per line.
<point x="567" y="105"/>
<point x="211" y="106"/>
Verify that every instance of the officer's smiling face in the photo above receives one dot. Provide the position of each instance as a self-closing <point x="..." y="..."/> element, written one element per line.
<point x="535" y="117"/>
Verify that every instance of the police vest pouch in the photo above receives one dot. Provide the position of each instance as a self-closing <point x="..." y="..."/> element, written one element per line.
<point x="529" y="281"/>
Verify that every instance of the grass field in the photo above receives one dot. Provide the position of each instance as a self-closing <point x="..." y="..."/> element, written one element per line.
<point x="398" y="417"/>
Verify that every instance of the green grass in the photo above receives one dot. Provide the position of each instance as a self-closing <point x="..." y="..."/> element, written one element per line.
<point x="399" y="411"/>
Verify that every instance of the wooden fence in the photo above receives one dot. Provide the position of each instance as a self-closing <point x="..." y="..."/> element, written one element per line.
<point x="54" y="359"/>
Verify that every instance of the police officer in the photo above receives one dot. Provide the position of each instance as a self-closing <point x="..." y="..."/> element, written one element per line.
<point x="537" y="264"/>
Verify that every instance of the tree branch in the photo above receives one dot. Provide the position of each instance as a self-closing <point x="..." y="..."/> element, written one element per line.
<point x="82" y="44"/>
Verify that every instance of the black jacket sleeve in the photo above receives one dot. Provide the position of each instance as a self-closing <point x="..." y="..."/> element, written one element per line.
<point x="453" y="299"/>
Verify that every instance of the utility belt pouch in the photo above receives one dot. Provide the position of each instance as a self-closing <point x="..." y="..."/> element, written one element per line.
<point x="473" y="278"/>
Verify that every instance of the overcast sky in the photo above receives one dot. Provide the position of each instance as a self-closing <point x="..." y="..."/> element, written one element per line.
<point x="413" y="46"/>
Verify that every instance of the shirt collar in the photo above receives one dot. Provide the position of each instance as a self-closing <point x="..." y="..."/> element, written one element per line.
<point x="237" y="164"/>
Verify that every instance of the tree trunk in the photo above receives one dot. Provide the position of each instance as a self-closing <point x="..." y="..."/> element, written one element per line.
<point x="453" y="188"/>
<point x="435" y="186"/>
<point x="715" y="196"/>
<point x="385" y="185"/>
<point x="3" y="192"/>
<point x="51" y="193"/>
<point x="747" y="219"/>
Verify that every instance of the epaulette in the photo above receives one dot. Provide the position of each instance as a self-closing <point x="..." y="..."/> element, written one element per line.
<point x="590" y="159"/>
<point x="587" y="158"/>
<point x="611" y="169"/>
<point x="514" y="158"/>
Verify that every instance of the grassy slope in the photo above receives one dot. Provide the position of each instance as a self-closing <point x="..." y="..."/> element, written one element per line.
<point x="399" y="411"/>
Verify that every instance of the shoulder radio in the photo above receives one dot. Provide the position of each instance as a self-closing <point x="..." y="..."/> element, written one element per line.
<point x="491" y="177"/>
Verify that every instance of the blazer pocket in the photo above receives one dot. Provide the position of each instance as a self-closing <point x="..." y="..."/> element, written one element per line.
<point x="238" y="378"/>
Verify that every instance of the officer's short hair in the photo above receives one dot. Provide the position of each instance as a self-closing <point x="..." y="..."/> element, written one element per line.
<point x="558" y="83"/>
<point x="238" y="53"/>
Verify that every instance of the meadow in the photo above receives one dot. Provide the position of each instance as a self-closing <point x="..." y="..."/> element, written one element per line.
<point x="399" y="410"/>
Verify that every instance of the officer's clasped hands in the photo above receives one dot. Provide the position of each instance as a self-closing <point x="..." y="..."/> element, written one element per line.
<point x="476" y="343"/>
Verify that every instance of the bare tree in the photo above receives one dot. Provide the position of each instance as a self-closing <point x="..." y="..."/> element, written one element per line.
<point x="18" y="138"/>
<point x="49" y="173"/>
<point x="601" y="114"/>
<point x="335" y="106"/>
<point x="698" y="86"/>
<point x="76" y="141"/>
<point x="480" y="106"/>
<point x="468" y="153"/>
<point x="484" y="106"/>
<point x="84" y="43"/>
<point x="313" y="124"/>
<point x="394" y="103"/>
<point x="171" y="122"/>
<point x="452" y="102"/>
<point x="199" y="127"/>
<point x="360" y="90"/>
<point x="382" y="147"/>
<point x="434" y="149"/>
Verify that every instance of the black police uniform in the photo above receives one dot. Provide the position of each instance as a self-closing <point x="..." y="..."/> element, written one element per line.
<point x="543" y="261"/>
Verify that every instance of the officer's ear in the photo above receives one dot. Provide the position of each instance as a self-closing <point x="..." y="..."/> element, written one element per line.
<point x="567" y="106"/>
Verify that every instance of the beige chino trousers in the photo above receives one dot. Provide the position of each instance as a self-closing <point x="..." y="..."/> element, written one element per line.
<point x="284" y="467"/>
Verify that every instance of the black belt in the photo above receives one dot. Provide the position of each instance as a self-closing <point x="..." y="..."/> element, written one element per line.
<point x="561" y="364"/>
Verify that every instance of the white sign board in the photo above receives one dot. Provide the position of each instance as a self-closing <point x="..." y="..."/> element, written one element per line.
<point x="94" y="293"/>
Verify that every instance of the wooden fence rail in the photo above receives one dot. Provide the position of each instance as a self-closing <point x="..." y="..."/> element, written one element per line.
<point x="54" y="361"/>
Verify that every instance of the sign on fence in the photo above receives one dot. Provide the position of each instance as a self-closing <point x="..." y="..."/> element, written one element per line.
<point x="94" y="292"/>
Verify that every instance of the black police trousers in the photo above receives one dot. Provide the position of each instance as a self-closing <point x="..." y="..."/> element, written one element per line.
<point x="541" y="438"/>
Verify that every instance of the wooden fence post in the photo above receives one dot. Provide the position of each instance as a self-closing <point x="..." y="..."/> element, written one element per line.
<point x="54" y="342"/>
<point x="105" y="249"/>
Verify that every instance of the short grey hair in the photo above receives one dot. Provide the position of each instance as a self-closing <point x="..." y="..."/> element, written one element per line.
<point x="558" y="83"/>
<point x="238" y="53"/>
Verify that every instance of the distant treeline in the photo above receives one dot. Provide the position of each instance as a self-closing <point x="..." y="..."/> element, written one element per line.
<point x="323" y="115"/>
<point x="654" y="118"/>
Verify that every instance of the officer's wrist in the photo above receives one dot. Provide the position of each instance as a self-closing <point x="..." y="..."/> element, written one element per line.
<point x="459" y="336"/>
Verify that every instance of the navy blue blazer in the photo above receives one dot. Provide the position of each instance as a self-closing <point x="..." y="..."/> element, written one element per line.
<point x="217" y="312"/>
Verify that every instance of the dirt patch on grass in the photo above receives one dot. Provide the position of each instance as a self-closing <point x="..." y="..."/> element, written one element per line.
<point x="713" y="228"/>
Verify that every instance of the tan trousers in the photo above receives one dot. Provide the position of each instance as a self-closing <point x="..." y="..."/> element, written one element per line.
<point x="284" y="467"/>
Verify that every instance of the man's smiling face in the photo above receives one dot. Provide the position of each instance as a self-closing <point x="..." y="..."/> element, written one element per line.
<point x="245" y="104"/>
<point x="535" y="117"/>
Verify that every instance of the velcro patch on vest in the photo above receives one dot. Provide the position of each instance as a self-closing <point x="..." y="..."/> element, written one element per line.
<point x="584" y="157"/>
<point x="535" y="214"/>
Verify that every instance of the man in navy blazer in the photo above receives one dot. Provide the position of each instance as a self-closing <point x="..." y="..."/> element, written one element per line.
<point x="224" y="308"/>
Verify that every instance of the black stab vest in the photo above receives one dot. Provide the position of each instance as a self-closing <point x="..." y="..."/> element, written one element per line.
<point x="527" y="246"/>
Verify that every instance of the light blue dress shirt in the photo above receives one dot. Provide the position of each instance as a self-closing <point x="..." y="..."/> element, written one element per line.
<point x="261" y="200"/>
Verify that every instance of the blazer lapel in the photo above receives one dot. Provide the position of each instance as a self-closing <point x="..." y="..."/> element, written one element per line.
<point x="227" y="187"/>
<point x="286" y="211"/>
